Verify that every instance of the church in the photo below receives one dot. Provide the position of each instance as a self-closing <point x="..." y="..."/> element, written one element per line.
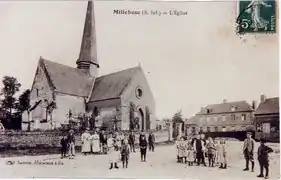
<point x="60" y="93"/>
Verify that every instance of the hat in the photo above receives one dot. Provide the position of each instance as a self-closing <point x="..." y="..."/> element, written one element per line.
<point x="71" y="130"/>
<point x="249" y="133"/>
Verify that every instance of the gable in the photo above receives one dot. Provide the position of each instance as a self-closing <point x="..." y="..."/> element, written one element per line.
<point x="239" y="106"/>
<point x="112" y="85"/>
<point x="139" y="82"/>
<point x="68" y="80"/>
<point x="42" y="88"/>
<point x="270" y="106"/>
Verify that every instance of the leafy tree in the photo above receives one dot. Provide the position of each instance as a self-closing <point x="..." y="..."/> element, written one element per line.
<point x="24" y="101"/>
<point x="11" y="87"/>
<point x="177" y="117"/>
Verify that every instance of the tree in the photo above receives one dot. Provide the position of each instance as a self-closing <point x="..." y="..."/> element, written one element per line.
<point x="23" y="103"/>
<point x="177" y="117"/>
<point x="11" y="87"/>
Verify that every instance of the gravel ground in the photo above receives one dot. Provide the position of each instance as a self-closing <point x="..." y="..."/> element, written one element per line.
<point x="160" y="164"/>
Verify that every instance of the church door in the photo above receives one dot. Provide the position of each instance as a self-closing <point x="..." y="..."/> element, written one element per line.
<point x="142" y="119"/>
<point x="147" y="117"/>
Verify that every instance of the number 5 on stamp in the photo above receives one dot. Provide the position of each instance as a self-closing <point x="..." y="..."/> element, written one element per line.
<point x="256" y="16"/>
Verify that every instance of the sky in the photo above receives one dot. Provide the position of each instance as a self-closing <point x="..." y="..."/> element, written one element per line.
<point x="190" y="61"/>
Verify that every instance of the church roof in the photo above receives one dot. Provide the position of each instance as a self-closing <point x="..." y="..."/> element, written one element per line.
<point x="112" y="85"/>
<point x="240" y="106"/>
<point x="68" y="80"/>
<point x="270" y="106"/>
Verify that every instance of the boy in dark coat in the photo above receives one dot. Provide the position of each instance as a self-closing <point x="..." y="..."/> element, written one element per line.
<point x="125" y="151"/>
<point x="263" y="151"/>
<point x="64" y="146"/>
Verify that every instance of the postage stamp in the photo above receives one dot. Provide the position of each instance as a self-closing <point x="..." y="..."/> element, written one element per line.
<point x="256" y="16"/>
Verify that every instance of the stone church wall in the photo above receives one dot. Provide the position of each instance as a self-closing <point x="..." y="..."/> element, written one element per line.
<point x="41" y="90"/>
<point x="139" y="81"/>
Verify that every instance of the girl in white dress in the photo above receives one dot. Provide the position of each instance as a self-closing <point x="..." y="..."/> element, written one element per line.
<point x="95" y="143"/>
<point x="113" y="152"/>
<point x="86" y="143"/>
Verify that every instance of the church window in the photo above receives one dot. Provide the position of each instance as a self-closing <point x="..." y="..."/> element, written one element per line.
<point x="37" y="92"/>
<point x="139" y="92"/>
<point x="233" y="117"/>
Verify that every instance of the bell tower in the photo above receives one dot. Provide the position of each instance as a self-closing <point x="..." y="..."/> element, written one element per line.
<point x="87" y="61"/>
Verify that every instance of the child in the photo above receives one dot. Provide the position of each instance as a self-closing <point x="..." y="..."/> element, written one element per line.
<point x="211" y="151"/>
<point x="177" y="148"/>
<point x="190" y="153"/>
<point x="182" y="149"/>
<point x="64" y="146"/>
<point x="222" y="154"/>
<point x="113" y="152"/>
<point x="263" y="151"/>
<point x="125" y="151"/>
<point x="216" y="152"/>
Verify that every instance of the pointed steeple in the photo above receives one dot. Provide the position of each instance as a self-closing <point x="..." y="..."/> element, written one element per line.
<point x="87" y="60"/>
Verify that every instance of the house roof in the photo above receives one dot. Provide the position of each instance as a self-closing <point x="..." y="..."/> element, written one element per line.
<point x="241" y="106"/>
<point x="68" y="80"/>
<point x="112" y="85"/>
<point x="270" y="106"/>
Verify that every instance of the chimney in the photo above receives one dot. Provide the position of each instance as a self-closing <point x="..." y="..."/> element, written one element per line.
<point x="263" y="98"/>
<point x="224" y="101"/>
<point x="254" y="105"/>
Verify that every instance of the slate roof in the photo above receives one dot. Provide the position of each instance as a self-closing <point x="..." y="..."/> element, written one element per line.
<point x="67" y="79"/>
<point x="270" y="106"/>
<point x="241" y="106"/>
<point x="112" y="85"/>
<point x="73" y="81"/>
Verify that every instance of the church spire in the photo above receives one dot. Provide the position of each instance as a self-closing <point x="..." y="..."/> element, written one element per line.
<point x="87" y="60"/>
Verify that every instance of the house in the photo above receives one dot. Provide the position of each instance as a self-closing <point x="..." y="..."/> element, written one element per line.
<point x="267" y="119"/>
<point x="61" y="94"/>
<point x="223" y="117"/>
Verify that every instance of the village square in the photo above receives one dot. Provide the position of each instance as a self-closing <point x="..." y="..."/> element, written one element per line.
<point x="75" y="122"/>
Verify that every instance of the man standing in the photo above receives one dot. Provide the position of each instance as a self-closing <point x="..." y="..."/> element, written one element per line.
<point x="103" y="142"/>
<point x="71" y="142"/>
<point x="199" y="147"/>
<point x="132" y="141"/>
<point x="143" y="146"/>
<point x="248" y="150"/>
<point x="202" y="137"/>
<point x="151" y="141"/>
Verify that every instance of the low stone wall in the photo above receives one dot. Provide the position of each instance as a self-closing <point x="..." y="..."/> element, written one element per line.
<point x="43" y="141"/>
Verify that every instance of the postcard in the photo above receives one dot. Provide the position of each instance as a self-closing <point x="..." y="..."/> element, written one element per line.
<point x="139" y="89"/>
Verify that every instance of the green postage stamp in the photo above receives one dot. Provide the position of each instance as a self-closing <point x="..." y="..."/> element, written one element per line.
<point x="256" y="16"/>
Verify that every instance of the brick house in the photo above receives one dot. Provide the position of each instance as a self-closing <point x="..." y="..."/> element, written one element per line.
<point x="123" y="99"/>
<point x="267" y="119"/>
<point x="224" y="117"/>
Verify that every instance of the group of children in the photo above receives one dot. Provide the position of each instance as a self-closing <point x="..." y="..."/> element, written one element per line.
<point x="212" y="150"/>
